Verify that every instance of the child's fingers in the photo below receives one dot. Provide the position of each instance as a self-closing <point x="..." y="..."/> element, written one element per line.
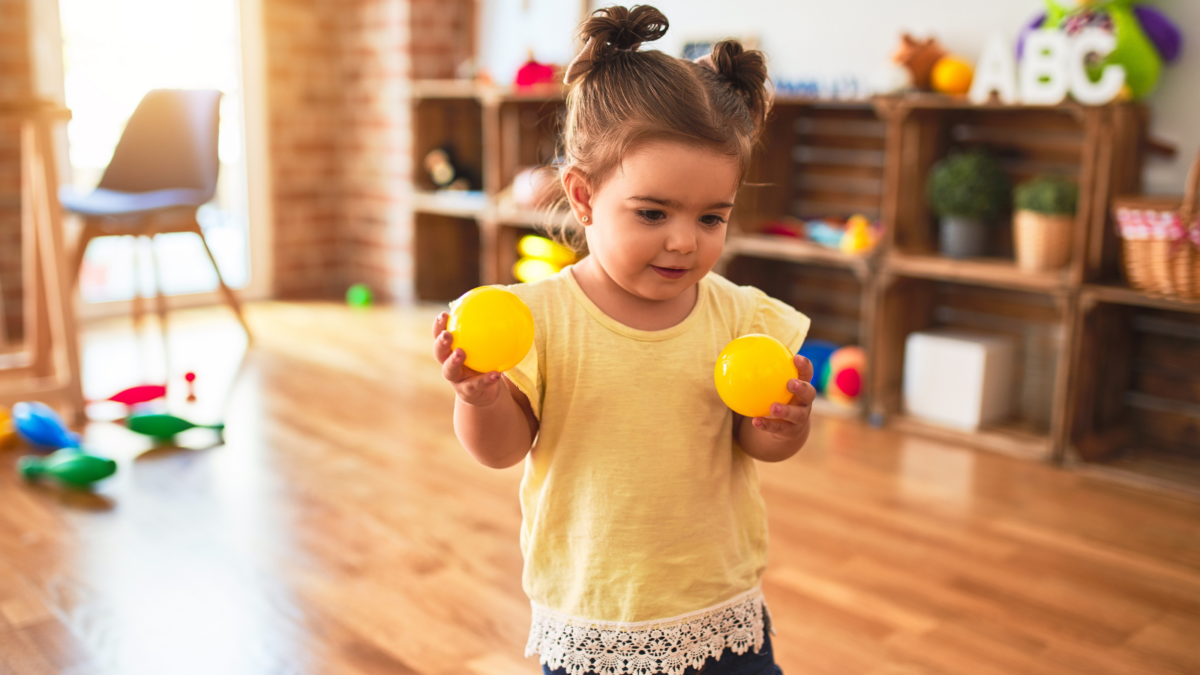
<point x="792" y="414"/>
<point x="803" y="393"/>
<point x="439" y="323"/>
<point x="453" y="368"/>
<point x="804" y="367"/>
<point x="442" y="346"/>
<point x="774" y="426"/>
<point x="474" y="387"/>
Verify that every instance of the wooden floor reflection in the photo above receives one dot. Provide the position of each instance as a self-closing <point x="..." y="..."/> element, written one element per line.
<point x="340" y="529"/>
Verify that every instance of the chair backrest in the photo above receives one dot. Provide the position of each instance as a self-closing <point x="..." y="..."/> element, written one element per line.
<point x="170" y="141"/>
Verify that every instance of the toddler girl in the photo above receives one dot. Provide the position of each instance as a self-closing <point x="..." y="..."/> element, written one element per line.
<point x="644" y="534"/>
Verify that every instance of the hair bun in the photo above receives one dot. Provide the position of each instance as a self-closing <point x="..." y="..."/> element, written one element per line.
<point x="615" y="29"/>
<point x="745" y="70"/>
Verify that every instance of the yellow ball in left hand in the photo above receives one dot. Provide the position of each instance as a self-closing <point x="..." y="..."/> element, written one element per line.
<point x="752" y="373"/>
<point x="493" y="326"/>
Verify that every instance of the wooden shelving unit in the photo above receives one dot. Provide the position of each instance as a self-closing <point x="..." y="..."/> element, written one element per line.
<point x="841" y="158"/>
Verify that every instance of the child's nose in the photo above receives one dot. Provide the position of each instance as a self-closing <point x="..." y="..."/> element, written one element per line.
<point x="681" y="239"/>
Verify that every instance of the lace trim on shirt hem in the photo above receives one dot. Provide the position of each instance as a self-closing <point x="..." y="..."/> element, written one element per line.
<point x="668" y="645"/>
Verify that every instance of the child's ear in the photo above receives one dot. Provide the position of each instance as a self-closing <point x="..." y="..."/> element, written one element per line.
<point x="579" y="194"/>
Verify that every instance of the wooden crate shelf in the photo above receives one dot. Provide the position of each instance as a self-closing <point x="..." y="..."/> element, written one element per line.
<point x="795" y="250"/>
<point x="1124" y="295"/>
<point x="1135" y="406"/>
<point x="996" y="272"/>
<point x="450" y="203"/>
<point x="1035" y="322"/>
<point x="821" y="159"/>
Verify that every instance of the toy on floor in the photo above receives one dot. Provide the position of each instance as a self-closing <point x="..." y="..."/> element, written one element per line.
<point x="843" y="381"/>
<point x="68" y="466"/>
<point x="752" y="372"/>
<point x="41" y="427"/>
<point x="8" y="433"/>
<point x="163" y="426"/>
<point x="493" y="326"/>
<point x="190" y="378"/>
<point x="359" y="295"/>
<point x="143" y="393"/>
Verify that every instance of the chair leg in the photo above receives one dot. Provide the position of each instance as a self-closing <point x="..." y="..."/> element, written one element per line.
<point x="138" y="309"/>
<point x="160" y="301"/>
<point x="230" y="296"/>
<point x="88" y="233"/>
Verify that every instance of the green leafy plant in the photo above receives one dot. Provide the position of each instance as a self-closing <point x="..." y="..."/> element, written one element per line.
<point x="969" y="185"/>
<point x="1051" y="195"/>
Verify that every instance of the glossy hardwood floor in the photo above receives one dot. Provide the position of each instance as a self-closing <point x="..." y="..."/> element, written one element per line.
<point x="340" y="529"/>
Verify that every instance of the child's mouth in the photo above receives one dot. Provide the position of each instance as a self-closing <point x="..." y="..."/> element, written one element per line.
<point x="670" y="272"/>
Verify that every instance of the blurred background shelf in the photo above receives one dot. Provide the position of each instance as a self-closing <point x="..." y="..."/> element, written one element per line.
<point x="997" y="272"/>
<point x="821" y="159"/>
<point x="795" y="250"/>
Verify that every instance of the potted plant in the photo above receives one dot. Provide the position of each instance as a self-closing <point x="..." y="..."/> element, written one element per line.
<point x="1045" y="210"/>
<point x="967" y="191"/>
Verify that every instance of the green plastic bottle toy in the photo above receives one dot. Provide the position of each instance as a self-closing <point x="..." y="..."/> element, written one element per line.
<point x="165" y="426"/>
<point x="68" y="466"/>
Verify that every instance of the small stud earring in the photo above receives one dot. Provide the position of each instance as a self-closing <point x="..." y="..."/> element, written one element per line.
<point x="586" y="219"/>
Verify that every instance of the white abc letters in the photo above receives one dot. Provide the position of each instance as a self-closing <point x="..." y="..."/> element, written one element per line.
<point x="1112" y="79"/>
<point x="994" y="72"/>
<point x="1053" y="64"/>
<point x="1044" y="72"/>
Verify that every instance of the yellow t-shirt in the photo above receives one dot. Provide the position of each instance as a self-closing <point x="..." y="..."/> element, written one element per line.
<point x="639" y="507"/>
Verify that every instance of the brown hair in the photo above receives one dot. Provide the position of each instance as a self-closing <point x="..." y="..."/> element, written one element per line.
<point x="621" y="97"/>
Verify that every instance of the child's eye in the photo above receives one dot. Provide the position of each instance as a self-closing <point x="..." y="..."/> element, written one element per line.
<point x="712" y="220"/>
<point x="651" y="216"/>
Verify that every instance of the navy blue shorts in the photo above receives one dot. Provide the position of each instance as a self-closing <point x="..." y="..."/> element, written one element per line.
<point x="750" y="663"/>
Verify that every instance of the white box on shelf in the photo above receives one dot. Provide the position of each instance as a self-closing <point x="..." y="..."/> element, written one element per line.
<point x="958" y="378"/>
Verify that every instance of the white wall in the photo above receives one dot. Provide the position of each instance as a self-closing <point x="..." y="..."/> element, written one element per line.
<point x="828" y="39"/>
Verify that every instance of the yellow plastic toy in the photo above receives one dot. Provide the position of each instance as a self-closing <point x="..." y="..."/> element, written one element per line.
<point x="528" y="270"/>
<point x="493" y="326"/>
<point x="752" y="372"/>
<point x="541" y="258"/>
<point x="952" y="75"/>
<point x="533" y="246"/>
<point x="858" y="238"/>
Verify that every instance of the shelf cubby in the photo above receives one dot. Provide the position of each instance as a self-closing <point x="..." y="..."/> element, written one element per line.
<point x="446" y="256"/>
<point x="1135" y="413"/>
<point x="1035" y="323"/>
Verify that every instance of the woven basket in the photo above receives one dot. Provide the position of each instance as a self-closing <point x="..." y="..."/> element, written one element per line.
<point x="1043" y="242"/>
<point x="1161" y="240"/>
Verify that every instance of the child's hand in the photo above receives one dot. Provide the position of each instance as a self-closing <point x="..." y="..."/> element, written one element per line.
<point x="790" y="422"/>
<point x="480" y="389"/>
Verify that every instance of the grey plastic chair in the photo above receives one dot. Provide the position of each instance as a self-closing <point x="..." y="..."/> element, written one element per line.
<point x="163" y="169"/>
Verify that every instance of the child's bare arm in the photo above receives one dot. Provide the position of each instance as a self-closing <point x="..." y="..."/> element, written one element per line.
<point x="492" y="418"/>
<point x="785" y="431"/>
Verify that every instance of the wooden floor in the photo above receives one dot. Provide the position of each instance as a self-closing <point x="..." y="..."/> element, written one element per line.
<point x="341" y="530"/>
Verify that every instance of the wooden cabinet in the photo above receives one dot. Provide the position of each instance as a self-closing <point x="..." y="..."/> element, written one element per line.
<point x="1080" y="389"/>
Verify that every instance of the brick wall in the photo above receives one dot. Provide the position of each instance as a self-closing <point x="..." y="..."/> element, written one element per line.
<point x="16" y="82"/>
<point x="341" y="136"/>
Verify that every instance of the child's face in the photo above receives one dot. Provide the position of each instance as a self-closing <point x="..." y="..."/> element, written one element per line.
<point x="658" y="224"/>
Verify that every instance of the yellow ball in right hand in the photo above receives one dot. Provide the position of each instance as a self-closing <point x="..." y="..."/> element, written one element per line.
<point x="493" y="326"/>
<point x="752" y="372"/>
